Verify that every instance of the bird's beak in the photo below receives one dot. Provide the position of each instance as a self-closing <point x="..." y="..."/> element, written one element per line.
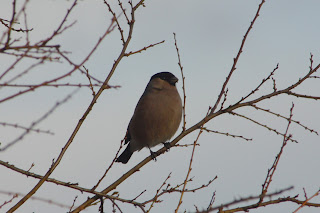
<point x="173" y="80"/>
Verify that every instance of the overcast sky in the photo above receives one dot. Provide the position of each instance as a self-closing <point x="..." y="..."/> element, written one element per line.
<point x="209" y="33"/>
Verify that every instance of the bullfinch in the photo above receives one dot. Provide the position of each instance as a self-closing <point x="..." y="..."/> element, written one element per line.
<point x="156" y="117"/>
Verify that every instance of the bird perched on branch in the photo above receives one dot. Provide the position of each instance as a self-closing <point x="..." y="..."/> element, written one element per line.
<point x="156" y="118"/>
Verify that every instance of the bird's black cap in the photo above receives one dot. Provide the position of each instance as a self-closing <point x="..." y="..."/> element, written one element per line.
<point x="166" y="76"/>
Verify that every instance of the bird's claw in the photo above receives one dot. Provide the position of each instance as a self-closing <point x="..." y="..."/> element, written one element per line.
<point x="153" y="155"/>
<point x="167" y="145"/>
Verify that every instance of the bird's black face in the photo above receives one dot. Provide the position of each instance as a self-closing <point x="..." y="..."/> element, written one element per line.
<point x="166" y="76"/>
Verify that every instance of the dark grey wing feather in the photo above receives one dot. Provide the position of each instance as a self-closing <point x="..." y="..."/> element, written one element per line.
<point x="128" y="135"/>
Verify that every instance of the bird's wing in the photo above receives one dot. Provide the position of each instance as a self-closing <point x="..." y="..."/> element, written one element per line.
<point x="128" y="135"/>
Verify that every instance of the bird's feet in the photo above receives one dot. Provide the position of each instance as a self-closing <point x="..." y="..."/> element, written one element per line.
<point x="167" y="145"/>
<point x="153" y="155"/>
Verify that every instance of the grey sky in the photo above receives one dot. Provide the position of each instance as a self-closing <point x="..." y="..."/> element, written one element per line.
<point x="209" y="34"/>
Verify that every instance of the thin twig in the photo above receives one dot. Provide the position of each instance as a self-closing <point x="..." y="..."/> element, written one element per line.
<point x="9" y="201"/>
<point x="183" y="85"/>
<point x="190" y="167"/>
<point x="281" y="116"/>
<point x="307" y="200"/>
<point x="33" y="124"/>
<point x="67" y="184"/>
<point x="26" y="128"/>
<point x="22" y="73"/>
<point x="143" y="49"/>
<point x="303" y="96"/>
<point x="235" y="60"/>
<point x="262" y="82"/>
<point x="138" y="195"/>
<point x="212" y="200"/>
<point x="116" y="20"/>
<point x="225" y="95"/>
<point x="90" y="83"/>
<point x="111" y="164"/>
<point x="74" y="201"/>
<point x="51" y="202"/>
<point x="245" y="199"/>
<point x="124" y="11"/>
<point x="263" y="125"/>
<point x="56" y="85"/>
<point x="155" y="198"/>
<point x="185" y="145"/>
<point x="273" y="168"/>
<point x="227" y="134"/>
<point x="178" y="190"/>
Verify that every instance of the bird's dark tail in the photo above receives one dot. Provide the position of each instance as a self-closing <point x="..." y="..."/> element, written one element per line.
<point x="125" y="156"/>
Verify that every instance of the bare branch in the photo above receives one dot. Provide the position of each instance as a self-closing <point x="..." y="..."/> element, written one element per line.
<point x="58" y="85"/>
<point x="246" y="199"/>
<point x="27" y="130"/>
<point x="67" y="184"/>
<point x="212" y="200"/>
<point x="267" y="203"/>
<point x="90" y="83"/>
<point x="9" y="201"/>
<point x="155" y="199"/>
<point x="124" y="11"/>
<point x="281" y="116"/>
<point x="303" y="96"/>
<point x="305" y="203"/>
<point x="262" y="82"/>
<point x="235" y="60"/>
<point x="273" y="168"/>
<point x="4" y="22"/>
<point x="185" y="145"/>
<point x="116" y="20"/>
<point x="139" y="195"/>
<point x="227" y="134"/>
<point x="74" y="201"/>
<point x="225" y="94"/>
<point x="263" y="125"/>
<point x="143" y="49"/>
<point x="111" y="164"/>
<point x="183" y="85"/>
<point x="15" y="194"/>
<point x="190" y="168"/>
<point x="178" y="190"/>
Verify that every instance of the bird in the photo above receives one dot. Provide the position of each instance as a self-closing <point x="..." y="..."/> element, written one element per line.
<point x="156" y="118"/>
